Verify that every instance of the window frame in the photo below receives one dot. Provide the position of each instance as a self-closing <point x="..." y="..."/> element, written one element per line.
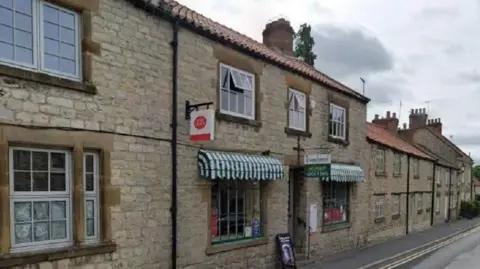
<point x="39" y="46"/>
<point x="332" y="186"/>
<point x="253" y="90"/>
<point x="438" y="179"/>
<point x="419" y="202"/>
<point x="292" y="92"/>
<point x="22" y="196"/>
<point x="437" y="204"/>
<point x="261" y="213"/>
<point x="396" y="204"/>
<point x="397" y="163"/>
<point x="381" y="157"/>
<point x="379" y="206"/>
<point x="447" y="177"/>
<point x="332" y="122"/>
<point x="92" y="195"/>
<point x="416" y="167"/>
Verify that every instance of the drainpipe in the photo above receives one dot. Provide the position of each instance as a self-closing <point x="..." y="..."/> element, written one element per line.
<point x="471" y="184"/>
<point x="408" y="195"/>
<point x="449" y="195"/>
<point x="174" y="142"/>
<point x="434" y="180"/>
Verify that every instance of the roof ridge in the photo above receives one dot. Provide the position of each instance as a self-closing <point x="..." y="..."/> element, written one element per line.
<point x="204" y="23"/>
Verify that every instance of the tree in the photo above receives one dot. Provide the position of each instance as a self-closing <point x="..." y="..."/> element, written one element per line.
<point x="304" y="44"/>
<point x="476" y="171"/>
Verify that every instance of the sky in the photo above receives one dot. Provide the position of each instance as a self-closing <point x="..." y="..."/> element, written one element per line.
<point x="412" y="54"/>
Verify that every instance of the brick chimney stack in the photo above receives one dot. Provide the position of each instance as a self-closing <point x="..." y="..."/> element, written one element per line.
<point x="435" y="125"/>
<point x="390" y="122"/>
<point x="418" y="118"/>
<point x="278" y="35"/>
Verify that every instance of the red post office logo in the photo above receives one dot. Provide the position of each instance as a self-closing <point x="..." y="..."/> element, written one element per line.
<point x="200" y="122"/>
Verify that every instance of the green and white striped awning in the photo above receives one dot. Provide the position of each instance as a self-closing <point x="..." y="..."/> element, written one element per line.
<point x="346" y="173"/>
<point x="223" y="165"/>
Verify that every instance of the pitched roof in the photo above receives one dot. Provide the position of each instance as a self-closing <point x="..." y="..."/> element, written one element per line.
<point x="449" y="142"/>
<point x="212" y="29"/>
<point x="440" y="160"/>
<point x="382" y="136"/>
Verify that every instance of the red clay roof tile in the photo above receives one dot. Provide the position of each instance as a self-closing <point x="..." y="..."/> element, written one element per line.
<point x="218" y="30"/>
<point x="386" y="138"/>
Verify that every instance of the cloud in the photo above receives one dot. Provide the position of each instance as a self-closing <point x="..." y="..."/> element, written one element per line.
<point x="467" y="139"/>
<point x="472" y="76"/>
<point x="342" y="51"/>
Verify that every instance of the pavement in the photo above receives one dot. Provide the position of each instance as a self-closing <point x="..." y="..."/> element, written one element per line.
<point x="375" y="256"/>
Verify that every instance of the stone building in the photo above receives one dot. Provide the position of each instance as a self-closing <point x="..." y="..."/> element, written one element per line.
<point x="398" y="170"/>
<point x="453" y="170"/>
<point x="88" y="152"/>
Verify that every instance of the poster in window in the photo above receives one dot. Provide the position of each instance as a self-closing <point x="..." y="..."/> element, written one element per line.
<point x="334" y="215"/>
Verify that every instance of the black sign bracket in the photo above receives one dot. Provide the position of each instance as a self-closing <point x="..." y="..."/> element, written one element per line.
<point x="190" y="108"/>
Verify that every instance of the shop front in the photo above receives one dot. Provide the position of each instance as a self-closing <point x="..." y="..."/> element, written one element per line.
<point x="238" y="197"/>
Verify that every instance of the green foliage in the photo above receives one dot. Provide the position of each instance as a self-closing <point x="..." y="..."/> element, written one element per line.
<point x="304" y="44"/>
<point x="476" y="171"/>
<point x="470" y="209"/>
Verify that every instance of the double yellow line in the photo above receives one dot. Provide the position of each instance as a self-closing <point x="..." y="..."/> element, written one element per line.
<point x="426" y="251"/>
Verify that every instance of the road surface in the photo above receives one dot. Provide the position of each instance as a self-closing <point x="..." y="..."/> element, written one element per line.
<point x="463" y="253"/>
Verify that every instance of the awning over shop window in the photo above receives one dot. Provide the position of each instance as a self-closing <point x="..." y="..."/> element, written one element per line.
<point x="224" y="165"/>
<point x="346" y="173"/>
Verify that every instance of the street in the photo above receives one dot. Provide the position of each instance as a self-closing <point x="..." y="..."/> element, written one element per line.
<point x="463" y="253"/>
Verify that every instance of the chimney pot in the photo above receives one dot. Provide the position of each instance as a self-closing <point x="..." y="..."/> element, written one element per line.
<point x="394" y="115"/>
<point x="376" y="116"/>
<point x="411" y="111"/>
<point x="388" y="114"/>
<point x="405" y="126"/>
<point x="278" y="35"/>
<point x="416" y="110"/>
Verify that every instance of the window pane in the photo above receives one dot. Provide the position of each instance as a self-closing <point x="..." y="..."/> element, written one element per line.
<point x="67" y="20"/>
<point x="41" y="231"/>
<point x="57" y="182"/>
<point x="241" y="103"/>
<point x="21" y="160"/>
<point x="224" y="99"/>
<point x="57" y="161"/>
<point x="6" y="35"/>
<point x="67" y="36"/>
<point x="6" y="16"/>
<point x="233" y="102"/>
<point x="51" y="30"/>
<point x="40" y="181"/>
<point x="59" y="229"/>
<point x="52" y="62"/>
<point x="22" y="211"/>
<point x="6" y="3"/>
<point x="59" y="210"/>
<point x="41" y="211"/>
<point x="249" y="106"/>
<point x="89" y="160"/>
<point x="23" y="22"/>
<point x="24" y="55"/>
<point x="67" y="51"/>
<point x="23" y="233"/>
<point x="22" y="181"/>
<point x="24" y="6"/>
<point x="40" y="161"/>
<point x="89" y="182"/>
<point x="67" y="66"/>
<point x="51" y="46"/>
<point x="50" y="14"/>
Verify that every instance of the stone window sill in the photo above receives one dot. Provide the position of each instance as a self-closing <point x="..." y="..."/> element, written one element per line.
<point x="293" y="132"/>
<point x="225" y="117"/>
<point x="337" y="140"/>
<point x="22" y="259"/>
<point x="379" y="220"/>
<point x="397" y="175"/>
<point x="334" y="227"/>
<point x="380" y="173"/>
<point x="213" y="249"/>
<point x="395" y="216"/>
<point x="46" y="79"/>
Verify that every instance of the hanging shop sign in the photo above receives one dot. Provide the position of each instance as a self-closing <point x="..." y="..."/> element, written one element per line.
<point x="202" y="124"/>
<point x="317" y="165"/>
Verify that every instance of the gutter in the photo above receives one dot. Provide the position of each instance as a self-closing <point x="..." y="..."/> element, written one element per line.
<point x="449" y="195"/>
<point x="434" y="180"/>
<point x="408" y="196"/>
<point x="174" y="142"/>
